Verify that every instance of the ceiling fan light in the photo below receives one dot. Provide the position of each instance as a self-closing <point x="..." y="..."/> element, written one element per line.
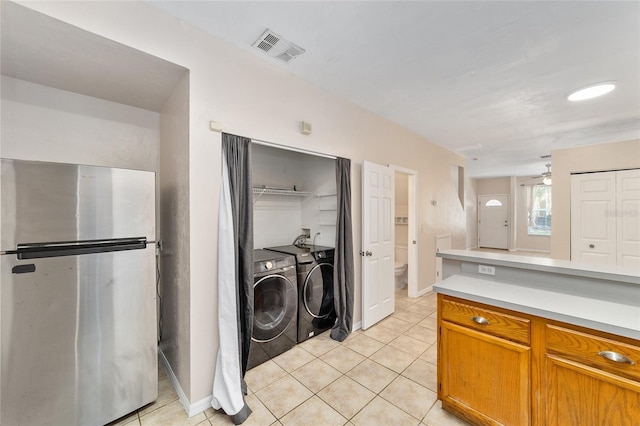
<point x="547" y="180"/>
<point x="590" y="92"/>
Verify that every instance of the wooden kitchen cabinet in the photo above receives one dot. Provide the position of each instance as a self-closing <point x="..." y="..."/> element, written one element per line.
<point x="583" y="387"/>
<point x="486" y="376"/>
<point x="499" y="367"/>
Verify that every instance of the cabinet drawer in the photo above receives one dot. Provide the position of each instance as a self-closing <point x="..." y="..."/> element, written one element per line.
<point x="492" y="322"/>
<point x="591" y="350"/>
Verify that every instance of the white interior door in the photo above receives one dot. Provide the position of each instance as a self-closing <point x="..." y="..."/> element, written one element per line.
<point x="593" y="218"/>
<point x="377" y="243"/>
<point x="628" y="218"/>
<point x="493" y="221"/>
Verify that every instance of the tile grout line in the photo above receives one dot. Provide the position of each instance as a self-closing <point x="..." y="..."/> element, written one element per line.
<point x="318" y="350"/>
<point x="379" y="394"/>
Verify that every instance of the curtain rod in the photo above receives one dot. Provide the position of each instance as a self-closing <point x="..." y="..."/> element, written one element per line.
<point x="290" y="148"/>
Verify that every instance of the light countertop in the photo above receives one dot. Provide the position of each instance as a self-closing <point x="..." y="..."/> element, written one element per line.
<point x="611" y="317"/>
<point x="600" y="298"/>
<point x="564" y="267"/>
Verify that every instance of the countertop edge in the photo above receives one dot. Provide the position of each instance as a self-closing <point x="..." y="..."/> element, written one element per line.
<point x="543" y="313"/>
<point x="563" y="267"/>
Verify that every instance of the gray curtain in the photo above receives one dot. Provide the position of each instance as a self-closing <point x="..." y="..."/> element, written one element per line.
<point x="343" y="260"/>
<point x="235" y="278"/>
<point x="237" y="150"/>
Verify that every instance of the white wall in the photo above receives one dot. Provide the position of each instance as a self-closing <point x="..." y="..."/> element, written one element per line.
<point x="245" y="94"/>
<point x="278" y="220"/>
<point x="175" y="233"/>
<point x="45" y="124"/>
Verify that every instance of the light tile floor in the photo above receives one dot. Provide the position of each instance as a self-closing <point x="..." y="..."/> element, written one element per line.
<point x="385" y="375"/>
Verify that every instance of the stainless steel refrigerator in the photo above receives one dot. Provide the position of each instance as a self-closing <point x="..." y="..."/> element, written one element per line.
<point x="77" y="293"/>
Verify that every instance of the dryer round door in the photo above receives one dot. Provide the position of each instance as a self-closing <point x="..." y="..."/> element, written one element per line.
<point x="317" y="292"/>
<point x="274" y="307"/>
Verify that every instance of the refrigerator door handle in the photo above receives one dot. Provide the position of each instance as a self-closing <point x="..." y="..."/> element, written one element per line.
<point x="23" y="269"/>
<point x="75" y="248"/>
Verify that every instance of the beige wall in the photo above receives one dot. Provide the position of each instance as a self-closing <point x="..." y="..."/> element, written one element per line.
<point x="491" y="186"/>
<point x="592" y="158"/>
<point x="254" y="97"/>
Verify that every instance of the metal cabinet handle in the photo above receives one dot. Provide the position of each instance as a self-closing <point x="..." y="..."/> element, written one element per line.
<point x="592" y="246"/>
<point x="480" y="320"/>
<point x="616" y="357"/>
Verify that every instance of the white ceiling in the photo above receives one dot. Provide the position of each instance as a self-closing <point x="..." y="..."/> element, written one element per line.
<point x="487" y="79"/>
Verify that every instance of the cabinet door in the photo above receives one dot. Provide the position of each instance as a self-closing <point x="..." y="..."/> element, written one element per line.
<point x="485" y="378"/>
<point x="582" y="395"/>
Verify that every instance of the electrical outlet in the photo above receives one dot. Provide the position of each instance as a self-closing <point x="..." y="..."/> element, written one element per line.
<point x="487" y="270"/>
<point x="306" y="232"/>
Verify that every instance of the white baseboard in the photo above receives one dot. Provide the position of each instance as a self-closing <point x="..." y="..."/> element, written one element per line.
<point x="200" y="406"/>
<point x="189" y="408"/>
<point x="425" y="290"/>
<point x="357" y="326"/>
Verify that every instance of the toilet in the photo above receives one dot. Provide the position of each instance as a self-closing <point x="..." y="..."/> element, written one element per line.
<point x="400" y="266"/>
<point x="399" y="272"/>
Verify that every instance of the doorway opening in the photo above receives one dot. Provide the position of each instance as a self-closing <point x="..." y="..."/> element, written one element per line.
<point x="493" y="221"/>
<point x="405" y="241"/>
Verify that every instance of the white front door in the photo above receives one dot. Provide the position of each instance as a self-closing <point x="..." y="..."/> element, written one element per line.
<point x="593" y="218"/>
<point x="377" y="243"/>
<point x="493" y="221"/>
<point x="628" y="218"/>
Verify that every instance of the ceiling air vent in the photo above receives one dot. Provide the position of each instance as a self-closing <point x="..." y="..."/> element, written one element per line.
<point x="276" y="47"/>
<point x="544" y="157"/>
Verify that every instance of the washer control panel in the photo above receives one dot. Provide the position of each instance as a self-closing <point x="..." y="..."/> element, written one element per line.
<point x="274" y="264"/>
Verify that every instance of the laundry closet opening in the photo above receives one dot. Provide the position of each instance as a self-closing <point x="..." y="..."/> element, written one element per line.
<point x="295" y="215"/>
<point x="294" y="197"/>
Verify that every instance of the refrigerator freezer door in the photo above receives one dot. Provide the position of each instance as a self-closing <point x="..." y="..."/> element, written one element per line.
<point x="48" y="202"/>
<point x="78" y="337"/>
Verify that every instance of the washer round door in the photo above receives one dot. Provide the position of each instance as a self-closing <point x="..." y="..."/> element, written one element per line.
<point x="274" y="307"/>
<point x="318" y="291"/>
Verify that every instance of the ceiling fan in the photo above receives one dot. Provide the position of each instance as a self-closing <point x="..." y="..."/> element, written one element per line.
<point x="541" y="179"/>
<point x="546" y="176"/>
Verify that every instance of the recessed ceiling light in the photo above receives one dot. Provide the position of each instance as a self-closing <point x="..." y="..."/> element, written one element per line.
<point x="592" y="91"/>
